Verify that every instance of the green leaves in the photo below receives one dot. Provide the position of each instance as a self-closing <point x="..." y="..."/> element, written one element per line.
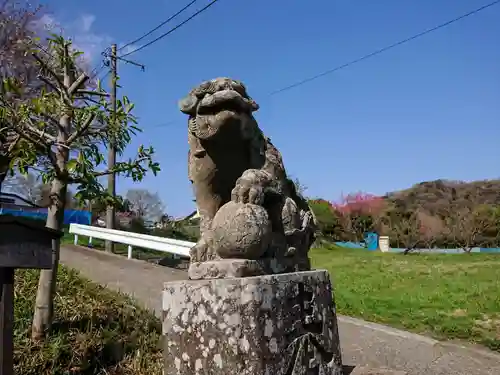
<point x="73" y="154"/>
<point x="10" y="85"/>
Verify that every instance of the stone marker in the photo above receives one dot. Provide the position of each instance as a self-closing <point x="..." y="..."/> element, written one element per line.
<point x="253" y="306"/>
<point x="273" y="324"/>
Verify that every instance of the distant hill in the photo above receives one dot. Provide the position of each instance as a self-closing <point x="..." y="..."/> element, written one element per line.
<point x="437" y="197"/>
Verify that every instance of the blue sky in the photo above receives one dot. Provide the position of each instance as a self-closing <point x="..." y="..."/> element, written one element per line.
<point x="425" y="110"/>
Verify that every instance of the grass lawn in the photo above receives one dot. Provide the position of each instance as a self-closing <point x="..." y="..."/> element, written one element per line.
<point x="96" y="331"/>
<point x="454" y="296"/>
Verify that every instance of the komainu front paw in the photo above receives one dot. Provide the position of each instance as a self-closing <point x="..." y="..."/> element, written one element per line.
<point x="199" y="252"/>
<point x="250" y="186"/>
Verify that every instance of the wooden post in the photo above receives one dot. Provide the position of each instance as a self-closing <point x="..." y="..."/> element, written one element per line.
<point x="6" y="321"/>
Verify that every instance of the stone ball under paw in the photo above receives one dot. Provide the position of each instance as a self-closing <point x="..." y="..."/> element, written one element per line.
<point x="241" y="230"/>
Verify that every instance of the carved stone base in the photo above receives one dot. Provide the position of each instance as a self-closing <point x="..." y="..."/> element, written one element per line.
<point x="264" y="325"/>
<point x="366" y="370"/>
<point x="228" y="268"/>
<point x="225" y="268"/>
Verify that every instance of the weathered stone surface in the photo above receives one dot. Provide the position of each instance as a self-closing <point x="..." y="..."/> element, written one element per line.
<point x="223" y="268"/>
<point x="366" y="370"/>
<point x="231" y="160"/>
<point x="266" y="325"/>
<point x="241" y="231"/>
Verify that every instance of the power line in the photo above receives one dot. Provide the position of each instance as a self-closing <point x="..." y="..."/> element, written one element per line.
<point x="104" y="63"/>
<point x="104" y="76"/>
<point x="96" y="71"/>
<point x="169" y="123"/>
<point x="172" y="29"/>
<point x="165" y="124"/>
<point x="159" y="26"/>
<point x="365" y="57"/>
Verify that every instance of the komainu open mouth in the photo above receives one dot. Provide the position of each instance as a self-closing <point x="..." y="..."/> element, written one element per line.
<point x="226" y="100"/>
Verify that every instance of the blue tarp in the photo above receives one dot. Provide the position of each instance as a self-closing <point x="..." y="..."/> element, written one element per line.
<point x="370" y="243"/>
<point x="70" y="216"/>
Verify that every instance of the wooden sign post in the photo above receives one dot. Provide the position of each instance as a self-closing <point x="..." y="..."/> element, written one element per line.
<point x="23" y="244"/>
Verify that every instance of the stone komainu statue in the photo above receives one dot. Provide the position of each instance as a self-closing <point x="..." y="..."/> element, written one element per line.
<point x="252" y="219"/>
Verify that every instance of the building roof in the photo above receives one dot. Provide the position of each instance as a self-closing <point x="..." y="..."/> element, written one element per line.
<point x="192" y="216"/>
<point x="16" y="196"/>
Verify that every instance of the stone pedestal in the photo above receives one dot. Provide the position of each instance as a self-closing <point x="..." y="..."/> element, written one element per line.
<point x="281" y="324"/>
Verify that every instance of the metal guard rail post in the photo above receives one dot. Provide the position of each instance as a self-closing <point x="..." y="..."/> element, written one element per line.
<point x="167" y="245"/>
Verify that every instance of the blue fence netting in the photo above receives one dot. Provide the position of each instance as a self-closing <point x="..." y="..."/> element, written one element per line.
<point x="371" y="243"/>
<point x="70" y="216"/>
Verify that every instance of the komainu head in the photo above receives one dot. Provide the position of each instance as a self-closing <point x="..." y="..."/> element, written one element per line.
<point x="217" y="104"/>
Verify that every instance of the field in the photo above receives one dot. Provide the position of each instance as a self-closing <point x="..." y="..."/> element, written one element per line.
<point x="96" y="331"/>
<point x="452" y="296"/>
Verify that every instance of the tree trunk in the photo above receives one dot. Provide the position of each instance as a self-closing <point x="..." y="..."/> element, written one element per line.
<point x="3" y="172"/>
<point x="44" y="305"/>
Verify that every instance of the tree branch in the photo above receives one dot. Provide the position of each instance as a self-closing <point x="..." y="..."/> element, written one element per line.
<point x="51" y="119"/>
<point x="90" y="100"/>
<point x="46" y="138"/>
<point x="76" y="180"/>
<point x="48" y="83"/>
<point x="96" y="93"/>
<point x="81" y="130"/>
<point x="119" y="170"/>
<point x="13" y="144"/>
<point x="49" y="70"/>
<point x="80" y="81"/>
<point x="36" y="142"/>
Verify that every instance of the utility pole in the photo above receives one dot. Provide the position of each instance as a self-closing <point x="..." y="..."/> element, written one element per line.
<point x="110" y="211"/>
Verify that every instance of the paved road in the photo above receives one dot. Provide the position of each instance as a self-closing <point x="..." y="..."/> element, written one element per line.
<point x="362" y="343"/>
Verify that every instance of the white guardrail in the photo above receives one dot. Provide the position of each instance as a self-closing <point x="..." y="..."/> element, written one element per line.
<point x="167" y="245"/>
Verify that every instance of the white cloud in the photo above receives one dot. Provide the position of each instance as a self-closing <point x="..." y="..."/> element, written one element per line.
<point x="85" y="39"/>
<point x="129" y="48"/>
<point x="46" y="23"/>
<point x="87" y="22"/>
<point x="80" y="31"/>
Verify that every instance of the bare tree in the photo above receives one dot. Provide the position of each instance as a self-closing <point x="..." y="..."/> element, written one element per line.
<point x="146" y="205"/>
<point x="413" y="229"/>
<point x="432" y="229"/>
<point x="19" y="25"/>
<point x="359" y="214"/>
<point x="404" y="227"/>
<point x="467" y="225"/>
